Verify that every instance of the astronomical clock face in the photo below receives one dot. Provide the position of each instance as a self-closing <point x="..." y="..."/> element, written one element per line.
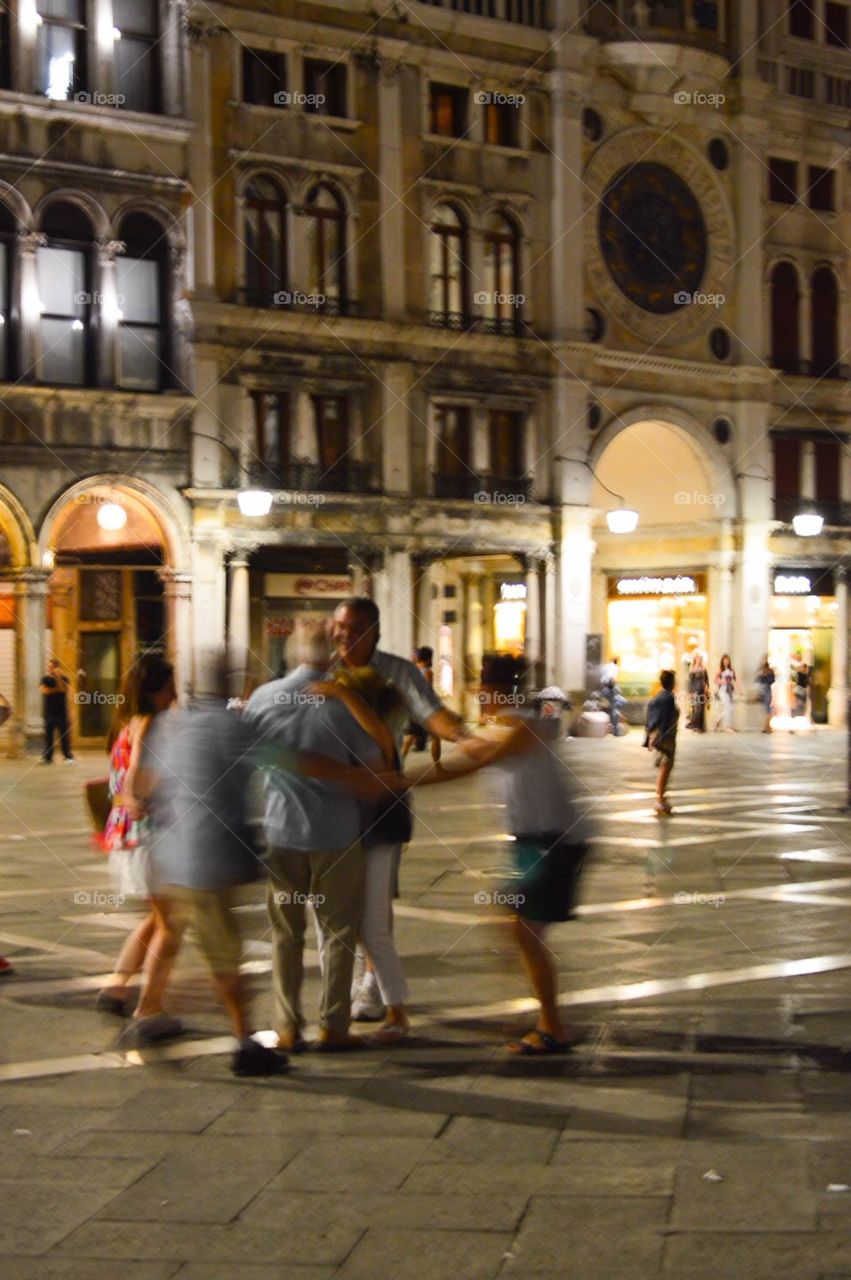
<point x="660" y="245"/>
<point x="653" y="237"/>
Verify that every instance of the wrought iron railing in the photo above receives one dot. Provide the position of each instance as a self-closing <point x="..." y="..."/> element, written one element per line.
<point x="484" y="488"/>
<point x="696" y="21"/>
<point x="350" y="475"/>
<point x="527" y="13"/>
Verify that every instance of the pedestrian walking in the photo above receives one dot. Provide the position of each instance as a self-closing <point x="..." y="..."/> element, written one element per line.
<point x="698" y="694"/>
<point x="197" y="777"/>
<point x="661" y="736"/>
<point x="313" y="833"/>
<point x="725" y="691"/>
<point x="54" y="689"/>
<point x="765" y="683"/>
<point x="611" y="693"/>
<point x="416" y="736"/>
<point x="801" y="687"/>
<point x="147" y="691"/>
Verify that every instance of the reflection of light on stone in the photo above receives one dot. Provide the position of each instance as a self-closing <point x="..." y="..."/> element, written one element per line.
<point x="60" y="77"/>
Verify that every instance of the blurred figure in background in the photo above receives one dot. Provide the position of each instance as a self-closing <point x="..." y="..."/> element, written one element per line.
<point x="765" y="682"/>
<point x="725" y="691"/>
<point x="698" y="693"/>
<point x="415" y="735"/>
<point x="54" y="690"/>
<point x="661" y="736"/>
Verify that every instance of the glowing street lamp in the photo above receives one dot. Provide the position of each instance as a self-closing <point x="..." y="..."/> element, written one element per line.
<point x="111" y="517"/>
<point x="808" y="524"/>
<point x="622" y="520"/>
<point x="254" y="502"/>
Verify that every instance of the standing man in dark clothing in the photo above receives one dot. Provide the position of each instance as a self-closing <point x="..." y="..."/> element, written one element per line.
<point x="54" y="687"/>
<point x="661" y="736"/>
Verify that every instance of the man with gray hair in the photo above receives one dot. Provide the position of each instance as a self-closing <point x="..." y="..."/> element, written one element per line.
<point x="313" y="834"/>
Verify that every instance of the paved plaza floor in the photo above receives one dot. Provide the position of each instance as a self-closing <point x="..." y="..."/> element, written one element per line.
<point x="701" y="1128"/>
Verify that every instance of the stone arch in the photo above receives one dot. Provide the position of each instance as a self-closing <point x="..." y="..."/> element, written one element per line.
<point x="165" y="507"/>
<point x="17" y="531"/>
<point x="689" y="429"/>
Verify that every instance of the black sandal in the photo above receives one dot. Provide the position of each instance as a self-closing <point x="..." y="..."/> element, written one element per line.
<point x="545" y="1047"/>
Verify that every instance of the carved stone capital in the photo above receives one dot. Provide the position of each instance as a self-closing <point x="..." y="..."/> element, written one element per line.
<point x="31" y="241"/>
<point x="108" y="250"/>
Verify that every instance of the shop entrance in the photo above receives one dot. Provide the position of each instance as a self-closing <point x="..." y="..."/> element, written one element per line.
<point x="656" y="623"/>
<point x="802" y="624"/>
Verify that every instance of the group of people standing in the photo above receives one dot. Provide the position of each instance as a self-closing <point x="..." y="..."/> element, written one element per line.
<point x="327" y="739"/>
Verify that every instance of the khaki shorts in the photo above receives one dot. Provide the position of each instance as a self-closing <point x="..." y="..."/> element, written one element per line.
<point x="211" y="913"/>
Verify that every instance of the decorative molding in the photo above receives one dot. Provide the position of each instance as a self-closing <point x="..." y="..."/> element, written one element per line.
<point x="29" y="242"/>
<point x="109" y="249"/>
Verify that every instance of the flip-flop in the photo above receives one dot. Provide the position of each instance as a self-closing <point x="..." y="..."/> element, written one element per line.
<point x="545" y="1047"/>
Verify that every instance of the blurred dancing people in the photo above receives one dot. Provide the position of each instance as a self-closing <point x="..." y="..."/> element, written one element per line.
<point x="698" y="693"/>
<point x="765" y="682"/>
<point x="147" y="691"/>
<point x="415" y="735"/>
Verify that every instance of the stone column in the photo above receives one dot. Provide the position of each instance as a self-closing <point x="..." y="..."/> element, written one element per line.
<point x="532" y="567"/>
<point x="208" y="604"/>
<point x="391" y="189"/>
<point x="752" y="605"/>
<point x="567" y="204"/>
<point x="838" y="696"/>
<point x="808" y="470"/>
<point x="26" y="285"/>
<point x="550" y="619"/>
<point x="239" y="623"/>
<point x="576" y="552"/>
<point x="394" y="590"/>
<point x="747" y="283"/>
<point x="177" y="592"/>
<point x="472" y="625"/>
<point x="31" y="591"/>
<point x="305" y="445"/>
<point x="106" y="333"/>
<point x="210" y="463"/>
<point x="396" y="382"/>
<point x="426" y="625"/>
<point x="488" y="605"/>
<point x="201" y="168"/>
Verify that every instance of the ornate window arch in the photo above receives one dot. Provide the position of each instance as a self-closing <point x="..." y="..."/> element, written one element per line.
<point x="266" y="217"/>
<point x="502" y="273"/>
<point x="824" y="321"/>
<point x="326" y="243"/>
<point x="142" y="310"/>
<point x="785" y="294"/>
<point x="448" y="267"/>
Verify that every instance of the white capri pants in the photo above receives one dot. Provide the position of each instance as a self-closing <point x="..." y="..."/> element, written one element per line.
<point x="376" y="927"/>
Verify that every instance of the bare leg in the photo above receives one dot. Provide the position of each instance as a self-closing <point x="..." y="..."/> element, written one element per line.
<point x="664" y="774"/>
<point x="231" y="989"/>
<point x="132" y="956"/>
<point x="541" y="972"/>
<point x="162" y="953"/>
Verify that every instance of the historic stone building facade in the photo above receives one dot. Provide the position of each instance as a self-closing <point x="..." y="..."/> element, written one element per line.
<point x="448" y="282"/>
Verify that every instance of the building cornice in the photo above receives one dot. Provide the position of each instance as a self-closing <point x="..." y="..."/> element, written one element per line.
<point x="113" y="119"/>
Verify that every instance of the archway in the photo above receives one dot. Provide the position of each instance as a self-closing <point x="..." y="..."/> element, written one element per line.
<point x="657" y="596"/>
<point x="17" y="544"/>
<point x="110" y="546"/>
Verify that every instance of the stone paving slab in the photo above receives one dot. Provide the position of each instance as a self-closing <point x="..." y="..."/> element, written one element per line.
<point x="767" y="1183"/>
<point x="457" y="1210"/>
<point x="427" y="1255"/>
<point x="757" y="1256"/>
<point x="89" y="1269"/>
<point x="36" y="1216"/>
<point x="352" y="1164"/>
<point x="225" y="1246"/>
<point x="593" y="1239"/>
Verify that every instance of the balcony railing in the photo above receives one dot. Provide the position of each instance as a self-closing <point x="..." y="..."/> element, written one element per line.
<point x="484" y="488"/>
<point x="507" y="327"/>
<point x="693" y="21"/>
<point x="807" y="82"/>
<point x="836" y="372"/>
<point x="348" y="476"/>
<point x="527" y="13"/>
<point x="296" y="300"/>
<point x="836" y="513"/>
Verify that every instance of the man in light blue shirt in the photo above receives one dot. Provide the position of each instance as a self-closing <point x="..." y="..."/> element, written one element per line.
<point x="313" y="829"/>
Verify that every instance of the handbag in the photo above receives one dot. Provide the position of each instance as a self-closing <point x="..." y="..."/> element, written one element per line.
<point x="131" y="872"/>
<point x="96" y="791"/>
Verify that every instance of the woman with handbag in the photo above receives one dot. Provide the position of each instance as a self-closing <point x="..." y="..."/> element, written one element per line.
<point x="147" y="690"/>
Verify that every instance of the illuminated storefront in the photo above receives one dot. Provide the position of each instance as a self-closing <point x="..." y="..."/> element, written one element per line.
<point x="655" y="622"/>
<point x="509" y="618"/>
<point x="803" y="617"/>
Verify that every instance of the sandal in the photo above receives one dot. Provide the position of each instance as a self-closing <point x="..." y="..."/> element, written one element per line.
<point x="338" y="1043"/>
<point x="542" y="1046"/>
<point x="291" y="1042"/>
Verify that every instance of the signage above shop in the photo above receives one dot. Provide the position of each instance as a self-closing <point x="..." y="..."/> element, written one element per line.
<point x="792" y="584"/>
<point x="679" y="585"/>
<point x="512" y="591"/>
<point x="306" y="586"/>
<point x="804" y="580"/>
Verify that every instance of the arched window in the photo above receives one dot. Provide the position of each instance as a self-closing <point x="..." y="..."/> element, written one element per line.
<point x="785" y="318"/>
<point x="265" y="242"/>
<point x="502" y="276"/>
<point x="61" y="48"/>
<point x="64" y="285"/>
<point x="7" y="261"/>
<point x="824" y="322"/>
<point x="141" y="286"/>
<point x="448" y="302"/>
<point x="326" y="248"/>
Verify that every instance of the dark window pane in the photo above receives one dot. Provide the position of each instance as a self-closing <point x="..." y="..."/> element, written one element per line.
<point x="325" y="87"/>
<point x="820" y="195"/>
<point x="785" y="319"/>
<point x="263" y="78"/>
<point x="836" y="25"/>
<point x="448" y="110"/>
<point x="824" y="318"/>
<point x="138" y="288"/>
<point x="453" y="444"/>
<point x="502" y="124"/>
<point x="139" y="363"/>
<point x="332" y="429"/>
<point x="136" y="70"/>
<point x="62" y="281"/>
<point x="787" y="468"/>
<point x="138" y="16"/>
<point x="782" y="180"/>
<point x="69" y="10"/>
<point x="63" y="357"/>
<point x="828" y="470"/>
<point x="802" y="20"/>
